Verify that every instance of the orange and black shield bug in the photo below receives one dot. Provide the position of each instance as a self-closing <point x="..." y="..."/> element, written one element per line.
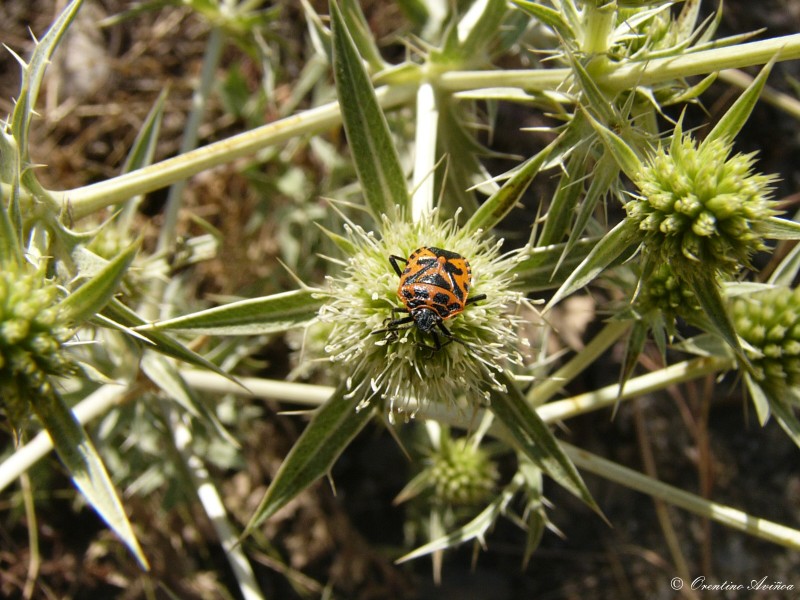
<point x="434" y="287"/>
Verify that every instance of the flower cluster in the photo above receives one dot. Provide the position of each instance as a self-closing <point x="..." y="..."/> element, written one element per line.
<point x="769" y="321"/>
<point x="462" y="474"/>
<point x="665" y="294"/>
<point x="401" y="365"/>
<point x="31" y="339"/>
<point x="700" y="209"/>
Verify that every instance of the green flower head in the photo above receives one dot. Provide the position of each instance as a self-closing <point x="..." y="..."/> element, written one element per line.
<point x="769" y="321"/>
<point x="31" y="340"/>
<point x="664" y="293"/>
<point x="462" y="474"/>
<point x="700" y="210"/>
<point x="400" y="363"/>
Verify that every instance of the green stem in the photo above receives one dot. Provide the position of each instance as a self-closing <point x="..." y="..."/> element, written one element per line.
<point x="425" y="152"/>
<point x="635" y="73"/>
<point x="728" y="516"/>
<point x="211" y="500"/>
<point x="86" y="200"/>
<point x="634" y="388"/>
<point x="598" y="23"/>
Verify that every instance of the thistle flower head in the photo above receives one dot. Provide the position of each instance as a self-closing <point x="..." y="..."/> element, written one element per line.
<point x="461" y="474"/>
<point x="401" y="364"/>
<point x="769" y="321"/>
<point x="701" y="210"/>
<point x="31" y="339"/>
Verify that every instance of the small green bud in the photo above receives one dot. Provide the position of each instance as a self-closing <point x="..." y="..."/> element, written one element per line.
<point x="791" y="347"/>
<point x="14" y="331"/>
<point x="705" y="225"/>
<point x="689" y="205"/>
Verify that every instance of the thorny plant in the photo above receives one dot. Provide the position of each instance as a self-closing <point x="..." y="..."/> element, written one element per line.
<point x="671" y="218"/>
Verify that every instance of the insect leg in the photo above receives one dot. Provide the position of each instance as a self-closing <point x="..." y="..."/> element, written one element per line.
<point x="477" y="298"/>
<point x="436" y="343"/>
<point x="393" y="259"/>
<point x="394" y="325"/>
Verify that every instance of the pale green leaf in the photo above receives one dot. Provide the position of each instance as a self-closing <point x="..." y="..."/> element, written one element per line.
<point x="608" y="249"/>
<point x="593" y="97"/>
<point x="10" y="166"/>
<point x="160" y="371"/>
<point x="565" y="200"/>
<point x="691" y="92"/>
<point x="776" y="401"/>
<point x="784" y="413"/>
<point x="478" y="28"/>
<point x="415" y="11"/>
<point x="85" y="466"/>
<point x="475" y="529"/>
<point x="92" y="296"/>
<point x="728" y="127"/>
<point x="547" y="16"/>
<point x="362" y="36"/>
<point x="705" y="344"/>
<point x="420" y="483"/>
<point x="342" y="242"/>
<point x="684" y="25"/>
<point x="320" y="36"/>
<point x="118" y="316"/>
<point x="625" y="156"/>
<point x="633" y="349"/>
<point x="547" y="267"/>
<point x="534" y="507"/>
<point x="33" y="73"/>
<point x="330" y="431"/>
<point x="383" y="182"/>
<point x="786" y="272"/>
<point x="531" y="436"/>
<point x="256" y="316"/>
<point x="706" y="290"/>
<point x="10" y="251"/>
<point x="605" y="175"/>
<point x="499" y="204"/>
<point x="759" y="397"/>
<point x="166" y="376"/>
<point x="143" y="150"/>
<point x="781" y="229"/>
<point x="144" y="146"/>
<point x="465" y="172"/>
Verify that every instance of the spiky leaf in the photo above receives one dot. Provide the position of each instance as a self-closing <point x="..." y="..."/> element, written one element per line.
<point x="84" y="465"/>
<point x="333" y="427"/>
<point x="607" y="250"/>
<point x="503" y="200"/>
<point x="383" y="182"/>
<point x="255" y="316"/>
<point x="531" y="435"/>
<point x="92" y="296"/>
